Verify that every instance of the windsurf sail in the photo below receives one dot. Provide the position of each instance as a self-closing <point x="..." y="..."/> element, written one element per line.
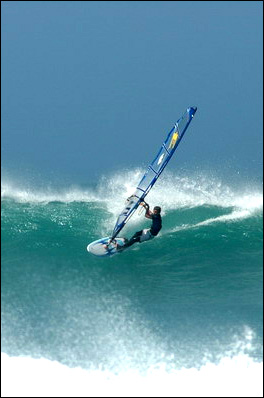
<point x="155" y="169"/>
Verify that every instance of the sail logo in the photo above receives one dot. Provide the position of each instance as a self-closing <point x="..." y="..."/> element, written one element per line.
<point x="161" y="159"/>
<point x="173" y="140"/>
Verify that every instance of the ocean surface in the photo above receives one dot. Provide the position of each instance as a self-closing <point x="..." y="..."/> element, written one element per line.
<point x="181" y="315"/>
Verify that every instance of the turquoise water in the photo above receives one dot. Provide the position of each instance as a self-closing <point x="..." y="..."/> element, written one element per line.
<point x="191" y="300"/>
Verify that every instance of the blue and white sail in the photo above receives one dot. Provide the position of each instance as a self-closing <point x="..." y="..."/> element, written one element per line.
<point x="155" y="169"/>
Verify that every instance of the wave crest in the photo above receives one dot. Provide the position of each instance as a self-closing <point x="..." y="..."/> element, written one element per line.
<point x="170" y="192"/>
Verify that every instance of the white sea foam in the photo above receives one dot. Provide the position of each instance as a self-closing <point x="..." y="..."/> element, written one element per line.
<point x="234" y="373"/>
<point x="237" y="376"/>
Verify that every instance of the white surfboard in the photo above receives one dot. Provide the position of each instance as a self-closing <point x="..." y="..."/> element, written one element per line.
<point x="99" y="248"/>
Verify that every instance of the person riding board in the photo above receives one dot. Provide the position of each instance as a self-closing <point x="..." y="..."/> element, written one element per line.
<point x="146" y="234"/>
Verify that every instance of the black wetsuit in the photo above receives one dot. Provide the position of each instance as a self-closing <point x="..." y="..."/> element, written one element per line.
<point x="156" y="224"/>
<point x="154" y="230"/>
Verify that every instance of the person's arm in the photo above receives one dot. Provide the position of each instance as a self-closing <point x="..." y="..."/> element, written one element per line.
<point x="148" y="213"/>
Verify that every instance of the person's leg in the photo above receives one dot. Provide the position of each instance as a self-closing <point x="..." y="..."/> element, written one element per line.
<point x="146" y="235"/>
<point x="135" y="238"/>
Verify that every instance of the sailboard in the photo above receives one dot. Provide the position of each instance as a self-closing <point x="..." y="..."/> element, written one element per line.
<point x="151" y="175"/>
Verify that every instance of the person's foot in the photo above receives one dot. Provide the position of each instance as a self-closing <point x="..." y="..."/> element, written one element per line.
<point x="106" y="245"/>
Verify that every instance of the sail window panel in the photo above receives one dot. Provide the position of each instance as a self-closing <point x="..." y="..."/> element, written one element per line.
<point x="147" y="180"/>
<point x="160" y="159"/>
<point x="130" y="203"/>
<point x="139" y="192"/>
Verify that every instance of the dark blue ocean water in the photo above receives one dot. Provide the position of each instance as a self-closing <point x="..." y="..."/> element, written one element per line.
<point x="181" y="315"/>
